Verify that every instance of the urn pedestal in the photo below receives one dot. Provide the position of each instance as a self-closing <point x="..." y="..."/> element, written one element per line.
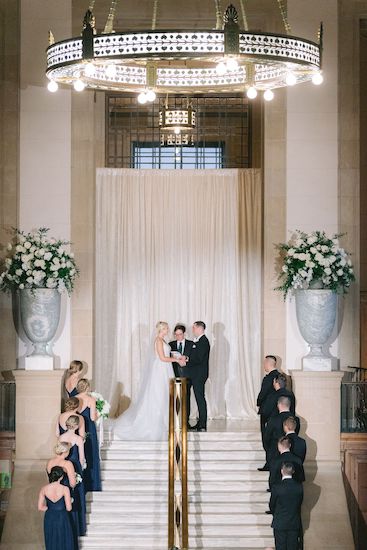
<point x="316" y="315"/>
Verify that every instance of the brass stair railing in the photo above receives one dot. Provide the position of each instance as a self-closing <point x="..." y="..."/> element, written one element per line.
<point x="178" y="533"/>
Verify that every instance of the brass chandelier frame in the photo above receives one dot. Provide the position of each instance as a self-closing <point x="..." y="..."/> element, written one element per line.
<point x="226" y="59"/>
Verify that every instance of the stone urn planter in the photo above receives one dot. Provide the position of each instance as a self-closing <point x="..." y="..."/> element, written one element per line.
<point x="316" y="311"/>
<point x="40" y="316"/>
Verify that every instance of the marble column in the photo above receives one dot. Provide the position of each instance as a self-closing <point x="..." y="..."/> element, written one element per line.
<point x="45" y="143"/>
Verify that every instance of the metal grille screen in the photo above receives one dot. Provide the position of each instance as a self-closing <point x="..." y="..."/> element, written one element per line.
<point x="221" y="138"/>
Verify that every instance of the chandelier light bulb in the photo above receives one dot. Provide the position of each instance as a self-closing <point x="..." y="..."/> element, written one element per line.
<point x="268" y="95"/>
<point x="221" y="68"/>
<point x="232" y="64"/>
<point x="291" y="79"/>
<point x="89" y="69"/>
<point x="150" y="95"/>
<point x="52" y="86"/>
<point x="142" y="98"/>
<point x="111" y="71"/>
<point x="177" y="131"/>
<point x="79" y="85"/>
<point x="317" y="79"/>
<point x="251" y="92"/>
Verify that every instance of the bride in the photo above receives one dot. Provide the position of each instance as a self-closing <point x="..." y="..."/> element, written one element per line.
<point x="147" y="418"/>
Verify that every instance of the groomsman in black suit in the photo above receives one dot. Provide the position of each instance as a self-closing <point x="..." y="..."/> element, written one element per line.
<point x="183" y="346"/>
<point x="298" y="444"/>
<point x="285" y="505"/>
<point x="271" y="402"/>
<point x="285" y="455"/>
<point x="267" y="389"/>
<point x="197" y="369"/>
<point x="274" y="428"/>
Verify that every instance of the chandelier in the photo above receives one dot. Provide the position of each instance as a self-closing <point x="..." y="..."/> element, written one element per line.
<point x="176" y="125"/>
<point x="226" y="59"/>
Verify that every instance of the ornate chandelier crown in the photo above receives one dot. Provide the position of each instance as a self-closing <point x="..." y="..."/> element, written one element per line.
<point x="227" y="59"/>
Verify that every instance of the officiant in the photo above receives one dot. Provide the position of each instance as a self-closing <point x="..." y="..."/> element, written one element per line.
<point x="182" y="346"/>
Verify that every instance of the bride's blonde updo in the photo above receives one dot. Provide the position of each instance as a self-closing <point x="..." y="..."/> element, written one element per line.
<point x="161" y="325"/>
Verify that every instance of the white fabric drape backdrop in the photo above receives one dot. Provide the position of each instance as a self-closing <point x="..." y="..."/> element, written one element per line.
<point x="179" y="246"/>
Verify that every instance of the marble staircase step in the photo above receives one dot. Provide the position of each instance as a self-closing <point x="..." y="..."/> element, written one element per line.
<point x="124" y="495"/>
<point x="141" y="542"/>
<point x="108" y="517"/>
<point x="217" y="455"/>
<point x="112" y="506"/>
<point x="157" y="486"/>
<point x="218" y="530"/>
<point x="193" y="465"/>
<point x="202" y="436"/>
<point x="193" y="445"/>
<point x="193" y="475"/>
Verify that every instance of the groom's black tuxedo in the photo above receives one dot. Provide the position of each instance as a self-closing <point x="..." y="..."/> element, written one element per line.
<point x="181" y="372"/>
<point x="197" y="370"/>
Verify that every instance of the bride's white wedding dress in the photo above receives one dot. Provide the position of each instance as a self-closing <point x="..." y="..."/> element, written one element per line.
<point x="147" y="418"/>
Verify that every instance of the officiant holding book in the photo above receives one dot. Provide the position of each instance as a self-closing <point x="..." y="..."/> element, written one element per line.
<point x="183" y="346"/>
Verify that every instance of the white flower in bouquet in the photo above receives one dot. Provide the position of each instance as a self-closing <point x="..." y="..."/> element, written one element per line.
<point x="36" y="261"/>
<point x="103" y="407"/>
<point x="311" y="258"/>
<point x="78" y="478"/>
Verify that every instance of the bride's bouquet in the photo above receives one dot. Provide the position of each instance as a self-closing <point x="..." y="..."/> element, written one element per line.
<point x="102" y="405"/>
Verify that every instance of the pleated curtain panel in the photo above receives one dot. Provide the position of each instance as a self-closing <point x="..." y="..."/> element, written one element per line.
<point x="179" y="246"/>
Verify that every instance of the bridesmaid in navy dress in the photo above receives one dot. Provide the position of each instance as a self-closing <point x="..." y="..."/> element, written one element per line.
<point x="76" y="458"/>
<point x="72" y="376"/>
<point x="62" y="451"/>
<point x="55" y="500"/>
<point x="70" y="408"/>
<point x="88" y="409"/>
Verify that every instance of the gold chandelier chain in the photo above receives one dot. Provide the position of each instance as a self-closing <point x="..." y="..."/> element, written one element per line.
<point x="111" y="17"/>
<point x="218" y="15"/>
<point x="154" y="16"/>
<point x="244" y="16"/>
<point x="284" y="14"/>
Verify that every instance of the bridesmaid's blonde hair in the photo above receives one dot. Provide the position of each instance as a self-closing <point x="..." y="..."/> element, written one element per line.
<point x="83" y="385"/>
<point x="71" y="404"/>
<point x="62" y="447"/>
<point x="161" y="325"/>
<point x="72" y="422"/>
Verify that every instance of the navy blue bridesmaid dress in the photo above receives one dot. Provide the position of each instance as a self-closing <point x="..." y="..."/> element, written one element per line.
<point x="58" y="527"/>
<point x="78" y="493"/>
<point x="73" y="392"/>
<point x="92" y="473"/>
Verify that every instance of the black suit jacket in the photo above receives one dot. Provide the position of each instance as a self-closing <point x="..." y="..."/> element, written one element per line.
<point x="270" y="406"/>
<point x="198" y="364"/>
<point x="274" y="429"/>
<point x="298" y="446"/>
<point x="276" y="466"/>
<point x="266" y="389"/>
<point x="285" y="505"/>
<point x="186" y="351"/>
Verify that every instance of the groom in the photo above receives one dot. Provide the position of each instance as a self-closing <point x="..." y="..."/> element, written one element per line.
<point x="197" y="369"/>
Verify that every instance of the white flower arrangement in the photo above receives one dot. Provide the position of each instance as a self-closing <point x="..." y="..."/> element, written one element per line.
<point x="36" y="261"/>
<point x="314" y="259"/>
<point x="103" y="407"/>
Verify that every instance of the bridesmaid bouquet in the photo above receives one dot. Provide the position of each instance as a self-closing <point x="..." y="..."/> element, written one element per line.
<point x="102" y="405"/>
<point x="78" y="478"/>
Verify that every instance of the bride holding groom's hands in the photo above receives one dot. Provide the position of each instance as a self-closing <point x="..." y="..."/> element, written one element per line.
<point x="147" y="418"/>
